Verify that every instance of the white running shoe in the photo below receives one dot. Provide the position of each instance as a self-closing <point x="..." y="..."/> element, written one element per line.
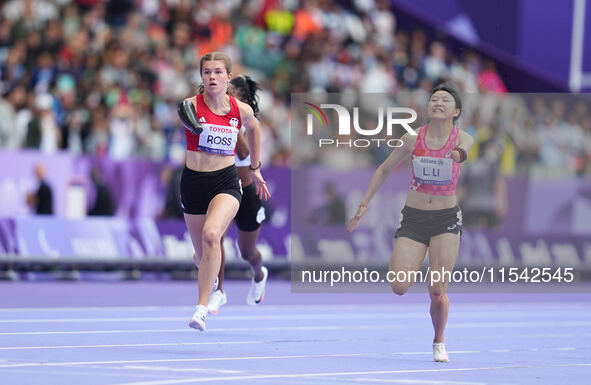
<point x="257" y="289"/>
<point x="198" y="319"/>
<point x="439" y="353"/>
<point x="218" y="299"/>
<point x="215" y="285"/>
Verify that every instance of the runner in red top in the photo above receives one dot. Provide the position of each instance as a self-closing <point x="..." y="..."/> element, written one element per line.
<point x="220" y="132"/>
<point x="210" y="189"/>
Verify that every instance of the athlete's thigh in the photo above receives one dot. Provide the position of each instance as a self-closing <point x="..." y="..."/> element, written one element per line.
<point x="222" y="209"/>
<point x="408" y="255"/>
<point x="195" y="225"/>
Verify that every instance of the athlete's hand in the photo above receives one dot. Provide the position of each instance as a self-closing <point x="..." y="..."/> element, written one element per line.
<point x="358" y="214"/>
<point x="261" y="186"/>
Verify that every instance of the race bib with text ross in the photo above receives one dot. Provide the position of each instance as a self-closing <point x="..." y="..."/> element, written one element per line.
<point x="218" y="139"/>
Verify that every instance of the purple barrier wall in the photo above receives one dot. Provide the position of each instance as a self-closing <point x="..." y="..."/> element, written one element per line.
<point x="96" y="238"/>
<point x="558" y="208"/>
<point x="136" y="185"/>
<point x="547" y="220"/>
<point x="17" y="179"/>
<point x="139" y="196"/>
<point x="105" y="239"/>
<point x="509" y="249"/>
<point x="335" y="245"/>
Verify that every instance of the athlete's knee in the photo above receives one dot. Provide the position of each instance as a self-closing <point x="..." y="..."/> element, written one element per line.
<point x="212" y="237"/>
<point x="249" y="254"/>
<point x="399" y="288"/>
<point x="437" y="294"/>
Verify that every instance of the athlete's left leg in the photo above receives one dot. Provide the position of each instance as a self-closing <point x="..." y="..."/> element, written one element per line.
<point x="443" y="252"/>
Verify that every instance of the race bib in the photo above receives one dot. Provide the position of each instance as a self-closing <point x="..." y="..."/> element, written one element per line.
<point x="430" y="170"/>
<point x="218" y="139"/>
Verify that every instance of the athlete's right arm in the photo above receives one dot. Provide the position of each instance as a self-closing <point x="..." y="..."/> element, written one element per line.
<point x="382" y="173"/>
<point x="242" y="147"/>
<point x="189" y="118"/>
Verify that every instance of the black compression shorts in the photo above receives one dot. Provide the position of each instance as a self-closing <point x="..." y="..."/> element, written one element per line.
<point x="421" y="225"/>
<point x="199" y="188"/>
<point x="251" y="212"/>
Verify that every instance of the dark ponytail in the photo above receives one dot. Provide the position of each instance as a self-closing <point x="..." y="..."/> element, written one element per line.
<point x="245" y="89"/>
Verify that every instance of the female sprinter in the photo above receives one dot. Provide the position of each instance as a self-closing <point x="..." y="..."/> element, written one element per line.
<point x="210" y="189"/>
<point x="431" y="218"/>
<point x="251" y="212"/>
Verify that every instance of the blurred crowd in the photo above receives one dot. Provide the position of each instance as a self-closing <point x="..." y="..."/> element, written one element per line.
<point x="104" y="77"/>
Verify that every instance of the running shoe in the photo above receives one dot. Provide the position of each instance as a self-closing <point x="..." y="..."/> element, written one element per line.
<point x="257" y="289"/>
<point x="439" y="353"/>
<point x="218" y="299"/>
<point x="198" y="319"/>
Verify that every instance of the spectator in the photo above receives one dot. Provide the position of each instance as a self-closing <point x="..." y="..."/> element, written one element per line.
<point x="172" y="206"/>
<point x="483" y="191"/>
<point x="103" y="205"/>
<point x="333" y="211"/>
<point x="42" y="200"/>
<point x="42" y="131"/>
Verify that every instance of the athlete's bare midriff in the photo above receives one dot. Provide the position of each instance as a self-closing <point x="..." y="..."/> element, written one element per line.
<point x="422" y="201"/>
<point x="205" y="162"/>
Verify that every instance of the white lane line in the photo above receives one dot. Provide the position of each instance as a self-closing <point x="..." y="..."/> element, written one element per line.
<point x="175" y="369"/>
<point x="224" y="330"/>
<point x="89" y="308"/>
<point x="245" y="358"/>
<point x="73" y="320"/>
<point x="226" y="308"/>
<point x="84" y="374"/>
<point x="517" y="324"/>
<point x="130" y="345"/>
<point x="414" y="381"/>
<point x="248" y="358"/>
<point x="306" y="316"/>
<point x="120" y="331"/>
<point x="540" y="336"/>
<point x="452" y="325"/>
<point x="298" y="340"/>
<point x="229" y="308"/>
<point x="546" y="304"/>
<point x="388" y="326"/>
<point x="391" y="314"/>
<point x="337" y="374"/>
<point x="461" y="307"/>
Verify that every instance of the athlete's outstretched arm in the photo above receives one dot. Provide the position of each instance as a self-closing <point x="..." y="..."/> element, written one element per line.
<point x="382" y="173"/>
<point x="253" y="131"/>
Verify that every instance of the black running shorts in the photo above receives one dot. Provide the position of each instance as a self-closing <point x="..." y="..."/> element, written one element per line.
<point x="421" y="225"/>
<point x="199" y="188"/>
<point x="251" y="212"/>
